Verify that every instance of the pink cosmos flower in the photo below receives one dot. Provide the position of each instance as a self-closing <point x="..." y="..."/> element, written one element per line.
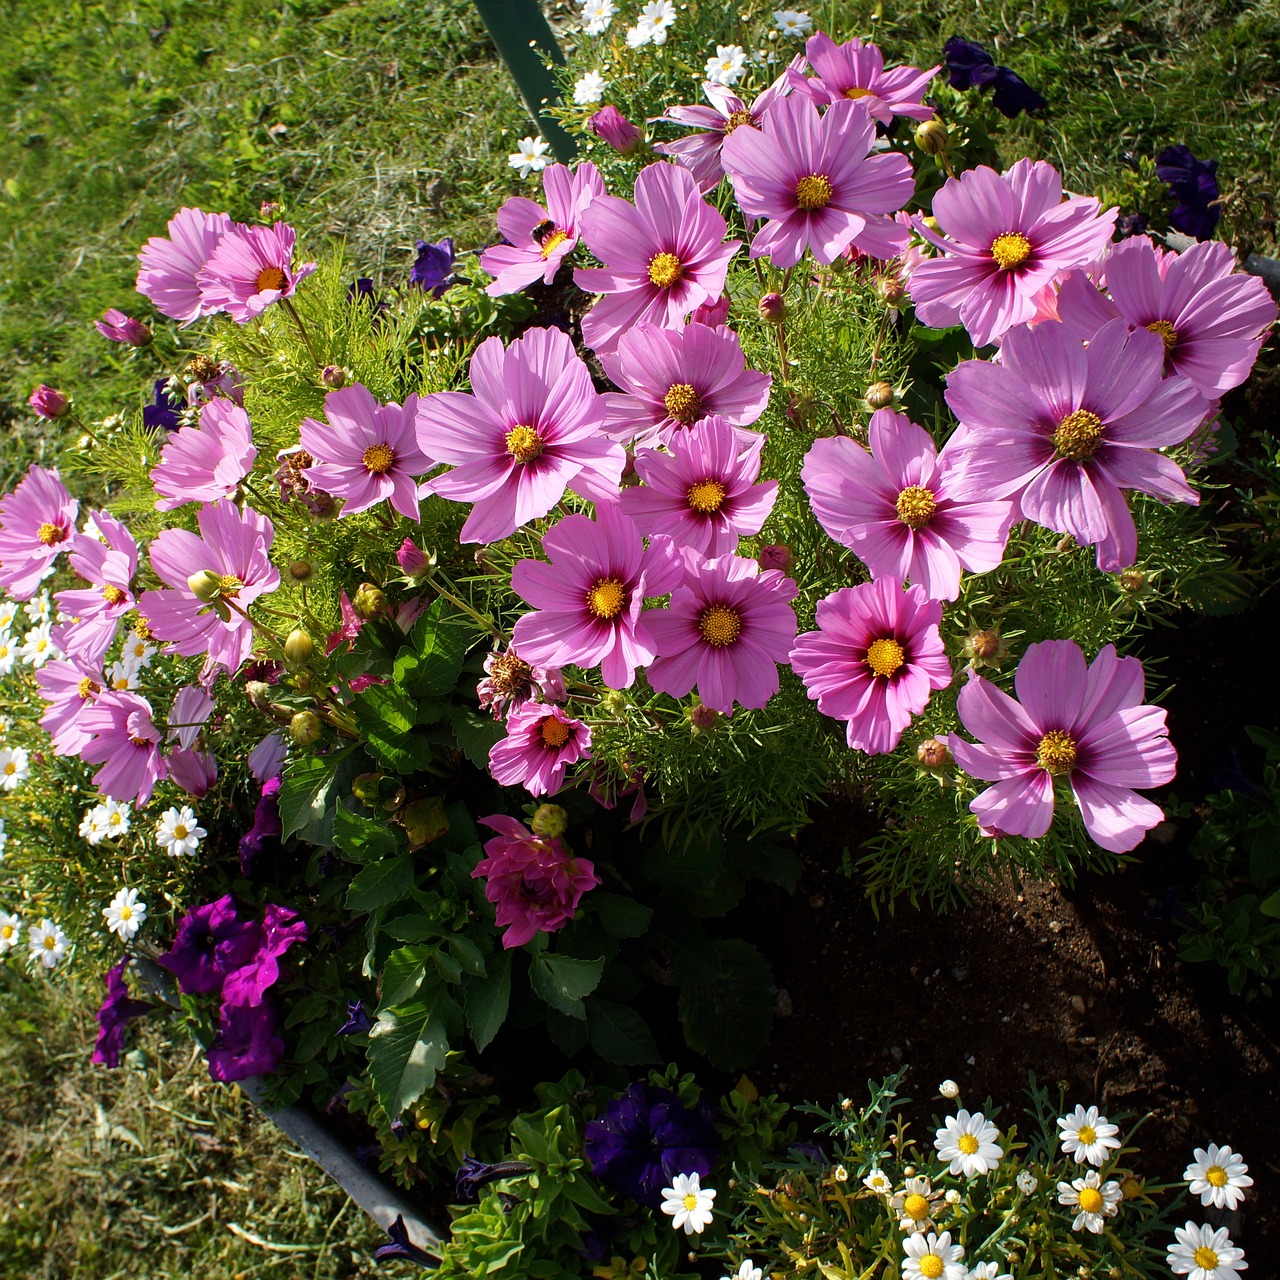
<point x="1211" y="318"/>
<point x="673" y="377"/>
<point x="539" y="239"/>
<point x="48" y="402"/>
<point x="811" y="176"/>
<point x="535" y="884"/>
<point x="108" y="566"/>
<point x="125" y="742"/>
<point x="588" y="599"/>
<point x="541" y="743"/>
<point x="610" y="125"/>
<point x="700" y="152"/>
<point x="365" y="452"/>
<point x="1067" y="429"/>
<point x="664" y="255"/>
<point x="509" y="682"/>
<point x="116" y="326"/>
<point x="1005" y="237"/>
<point x="206" y="462"/>
<point x="37" y="520"/>
<point x="171" y="264"/>
<point x="856" y="71"/>
<point x="703" y="494"/>
<point x="896" y="507"/>
<point x="724" y="632"/>
<point x="69" y="685"/>
<point x="233" y="545"/>
<point x="530" y="429"/>
<point x="192" y="706"/>
<point x="1083" y="723"/>
<point x="251" y="268"/>
<point x="192" y="770"/>
<point x="874" y="660"/>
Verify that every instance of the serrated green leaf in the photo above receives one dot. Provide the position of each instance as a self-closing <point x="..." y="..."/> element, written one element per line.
<point x="407" y="1047"/>
<point x="619" y="1034"/>
<point x="402" y="975"/>
<point x="621" y="917"/>
<point x="468" y="955"/>
<point x="728" y="1020"/>
<point x="486" y="1000"/>
<point x="304" y="794"/>
<point x="380" y="885"/>
<point x="440" y="638"/>
<point x="476" y="732"/>
<point x="365" y="839"/>
<point x="412" y="929"/>
<point x="563" y="981"/>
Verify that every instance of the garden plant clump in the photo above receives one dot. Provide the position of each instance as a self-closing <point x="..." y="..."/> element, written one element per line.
<point x="402" y="702"/>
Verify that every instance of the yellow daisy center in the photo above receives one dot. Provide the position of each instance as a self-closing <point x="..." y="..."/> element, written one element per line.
<point x="690" y="1202"/>
<point x="524" y="443"/>
<point x="706" y="496"/>
<point x="270" y="278"/>
<point x="1216" y="1176"/>
<point x="553" y="241"/>
<point x="1010" y="250"/>
<point x="916" y="506"/>
<point x="1078" y="436"/>
<point x="683" y="403"/>
<point x="1086" y="1134"/>
<point x="931" y="1266"/>
<point x="179" y="832"/>
<point x="814" y="192"/>
<point x="229" y="585"/>
<point x="51" y="534"/>
<point x="736" y="120"/>
<point x="1168" y="334"/>
<point x="555" y="733"/>
<point x="87" y="688"/>
<point x="112" y="595"/>
<point x="10" y="769"/>
<point x="606" y="599"/>
<point x="1131" y="1188"/>
<point x="1090" y="1200"/>
<point x="720" y="626"/>
<point x="885" y="656"/>
<point x="916" y="1207"/>
<point x="1056" y="754"/>
<point x="126" y="912"/>
<point x="379" y="459"/>
<point x="1205" y="1257"/>
<point x="50" y="943"/>
<point x="7" y="932"/>
<point x="967" y="1143"/>
<point x="142" y="629"/>
<point x="665" y="269"/>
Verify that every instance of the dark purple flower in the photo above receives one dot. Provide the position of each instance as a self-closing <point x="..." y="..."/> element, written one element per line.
<point x="267" y="827"/>
<point x="246" y="1043"/>
<point x="1130" y="224"/>
<point x="211" y="941"/>
<point x="433" y="267"/>
<point x="402" y="1247"/>
<point x="643" y="1138"/>
<point x="358" y="1021"/>
<point x="474" y="1174"/>
<point x="361" y="290"/>
<point x="248" y="984"/>
<point x="163" y="414"/>
<point x="610" y="124"/>
<point x="118" y="1010"/>
<point x="970" y="66"/>
<point x="1194" y="186"/>
<point x="115" y="326"/>
<point x="1013" y="94"/>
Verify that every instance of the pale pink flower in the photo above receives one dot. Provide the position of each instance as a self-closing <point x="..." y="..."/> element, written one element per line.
<point x="170" y="264"/>
<point x="205" y="462"/>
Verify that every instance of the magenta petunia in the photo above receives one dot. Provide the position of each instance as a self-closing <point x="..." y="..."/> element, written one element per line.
<point x="170" y="264"/>
<point x="704" y="494"/>
<point x="874" y="660"/>
<point x="365" y="452"/>
<point x="812" y="177"/>
<point x="108" y="565"/>
<point x="529" y="430"/>
<point x="541" y="743"/>
<point x="246" y="1043"/>
<point x="534" y="884"/>
<point x="665" y="255"/>
<point x="248" y="983"/>
<point x="856" y="71"/>
<point x="1211" y="317"/>
<point x="1004" y="237"/>
<point x="723" y="633"/>
<point x="205" y="462"/>
<point x="1066" y="429"/>
<point x="896" y="507"/>
<point x="124" y="740"/>
<point x="1082" y="722"/>
<point x="69" y="686"/>
<point x="232" y="545"/>
<point x="538" y="240"/>
<point x="251" y="268"/>
<point x="37" y="523"/>
<point x="670" y="378"/>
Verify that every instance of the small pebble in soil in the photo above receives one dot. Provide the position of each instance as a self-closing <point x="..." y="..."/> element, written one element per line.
<point x="1077" y="1003"/>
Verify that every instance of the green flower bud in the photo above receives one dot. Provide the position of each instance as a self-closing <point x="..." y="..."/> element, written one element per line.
<point x="300" y="570"/>
<point x="932" y="137"/>
<point x="369" y="601"/>
<point x="205" y="585"/>
<point x="879" y="395"/>
<point x="299" y="647"/>
<point x="549" y="820"/>
<point x="305" y="728"/>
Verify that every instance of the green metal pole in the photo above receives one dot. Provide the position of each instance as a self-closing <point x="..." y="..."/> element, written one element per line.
<point x="523" y="38"/>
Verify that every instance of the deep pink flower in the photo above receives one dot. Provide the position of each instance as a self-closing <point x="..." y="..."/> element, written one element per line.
<point x="108" y="566"/>
<point x="814" y="180"/>
<point x="37" y="521"/>
<point x="248" y="983"/>
<point x="69" y="685"/>
<point x="1211" y="317"/>
<point x="539" y="239"/>
<point x="541" y="743"/>
<point x="365" y="452"/>
<point x="251" y="268"/>
<point x="589" y="598"/>
<point x="703" y="494"/>
<point x="674" y="377"/>
<point x="231" y="544"/>
<point x="712" y="314"/>
<point x="48" y="402"/>
<point x="856" y="71"/>
<point x="116" y="326"/>
<point x="896" y="507"/>
<point x="1005" y="236"/>
<point x="530" y="429"/>
<point x="1066" y="429"/>
<point x="724" y="632"/>
<point x="170" y="264"/>
<point x="509" y="682"/>
<point x="210" y="942"/>
<point x="535" y="884"/>
<point x="664" y="255"/>
<point x="874" y="660"/>
<point x="205" y="462"/>
<point x="126" y="743"/>
<point x="1083" y="723"/>
<point x="193" y="770"/>
<point x="614" y="128"/>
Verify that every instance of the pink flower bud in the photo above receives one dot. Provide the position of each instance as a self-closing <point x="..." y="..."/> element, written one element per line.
<point x="269" y="210"/>
<point x="47" y="402"/>
<point x="772" y="307"/>
<point x="115" y="326"/>
<point x="333" y="377"/>
<point x="776" y="556"/>
<point x="610" y="124"/>
<point x="411" y="558"/>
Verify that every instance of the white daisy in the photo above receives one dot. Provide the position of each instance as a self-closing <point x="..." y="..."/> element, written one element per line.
<point x="8" y="612"/>
<point x="1201" y="1253"/>
<point x="915" y="1205"/>
<point x="93" y="826"/>
<point x="178" y="833"/>
<point x="531" y="156"/>
<point x="727" y="66"/>
<point x="121" y="676"/>
<point x="137" y="653"/>
<point x="1087" y="1136"/>
<point x="1028" y="1184"/>
<point x="747" y="1271"/>
<point x="125" y="915"/>
<point x="15" y="767"/>
<point x="793" y="22"/>
<point x="114" y="819"/>
<point x="690" y="1205"/>
<point x="659" y="14"/>
<point x="989" y="1271"/>
<point x="931" y="1257"/>
<point x="969" y="1143"/>
<point x="877" y="1182"/>
<point x="10" y="932"/>
<point x="47" y="943"/>
<point x="589" y="89"/>
<point x="8" y="653"/>
<point x="949" y="1089"/>
<point x="640" y="35"/>
<point x="1095" y="1199"/>
<point x="1218" y="1176"/>
<point x="596" y="16"/>
<point x="37" y="646"/>
<point x="38" y="608"/>
<point x="4" y="839"/>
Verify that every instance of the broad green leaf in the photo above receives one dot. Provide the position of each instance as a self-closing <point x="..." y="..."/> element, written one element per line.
<point x="486" y="1000"/>
<point x="619" y="1034"/>
<point x="407" y="1047"/>
<point x="621" y="917"/>
<point x="365" y="839"/>
<point x="476" y="732"/>
<point x="563" y="981"/>
<point x="304" y="795"/>
<point x="402" y="975"/>
<point x="441" y="638"/>
<point x="381" y="884"/>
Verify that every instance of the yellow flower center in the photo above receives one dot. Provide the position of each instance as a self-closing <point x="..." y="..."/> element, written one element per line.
<point x="856" y="93"/>
<point x="555" y="733"/>
<point x="683" y="403"/>
<point x="553" y="241"/>
<point x="270" y="278"/>
<point x="379" y="459"/>
<point x="112" y="595"/>
<point x="229" y="585"/>
<point x="126" y="912"/>
<point x="665" y="269"/>
<point x="931" y="1266"/>
<point x="916" y="1207"/>
<point x="179" y="832"/>
<point x="1205" y="1257"/>
<point x="720" y="626"/>
<point x="1010" y="250"/>
<point x="736" y="120"/>
<point x="885" y="656"/>
<point x="1131" y="1188"/>
<point x="1168" y="334"/>
<point x="606" y="599"/>
<point x="814" y="192"/>
<point x="690" y="1202"/>
<point x="1056" y="754"/>
<point x="967" y="1143"/>
<point x="50" y="943"/>
<point x="142" y="629"/>
<point x="510" y="674"/>
<point x="524" y="443"/>
<point x="10" y="769"/>
<point x="7" y="932"/>
<point x="916" y="506"/>
<point x="51" y="534"/>
<point x="1086" y="1133"/>
<point x="1078" y="436"/>
<point x="1090" y="1200"/>
<point x="706" y="496"/>
<point x="87" y="688"/>
<point x="1216" y="1176"/>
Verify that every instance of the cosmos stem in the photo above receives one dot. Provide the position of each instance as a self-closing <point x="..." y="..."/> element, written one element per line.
<point x="449" y="594"/>
<point x="287" y="304"/>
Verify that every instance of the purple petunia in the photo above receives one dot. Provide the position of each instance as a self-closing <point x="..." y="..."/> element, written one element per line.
<point x="433" y="267"/>
<point x="116" y="1012"/>
<point x="245" y="1044"/>
<point x="248" y="983"/>
<point x="211" y="941"/>
<point x="250" y="269"/>
<point x="1194" y="186"/>
<point x="267" y="827"/>
<point x="541" y="743"/>
<point x="205" y="462"/>
<point x="970" y="66"/>
<point x="171" y="264"/>
<point x="856" y="71"/>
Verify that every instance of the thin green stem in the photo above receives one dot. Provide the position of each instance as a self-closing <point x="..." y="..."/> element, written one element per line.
<point x="302" y="329"/>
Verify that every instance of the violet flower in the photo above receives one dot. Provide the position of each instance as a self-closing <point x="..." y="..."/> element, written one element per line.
<point x="163" y="413"/>
<point x="473" y="1174"/>
<point x="267" y="827"/>
<point x="210" y="942"/>
<point x="245" y="1044"/>
<point x="358" y="1022"/>
<point x="970" y="66"/>
<point x="401" y="1247"/>
<point x="1194" y="186"/>
<point x="115" y="1013"/>
<point x="249" y="982"/>
<point x="432" y="269"/>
